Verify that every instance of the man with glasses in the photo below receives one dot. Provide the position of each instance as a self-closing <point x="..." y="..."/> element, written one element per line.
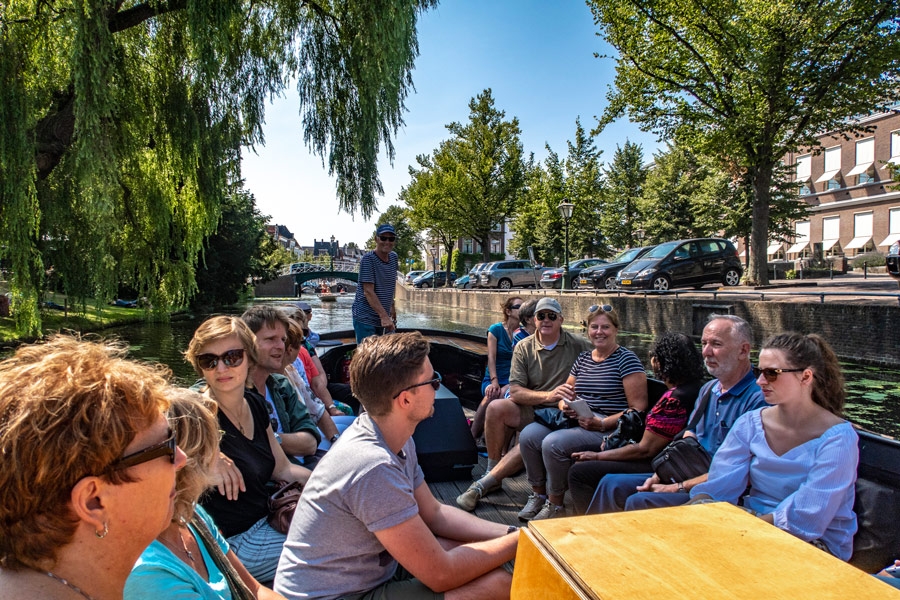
<point x="367" y="526"/>
<point x="373" y="306"/>
<point x="540" y="367"/>
<point x="726" y="344"/>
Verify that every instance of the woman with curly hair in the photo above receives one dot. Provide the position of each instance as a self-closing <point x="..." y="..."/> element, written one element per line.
<point x="676" y="360"/>
<point x="87" y="478"/>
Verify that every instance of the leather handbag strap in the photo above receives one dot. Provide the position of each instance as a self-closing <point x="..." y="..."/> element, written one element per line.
<point x="239" y="590"/>
<point x="703" y="402"/>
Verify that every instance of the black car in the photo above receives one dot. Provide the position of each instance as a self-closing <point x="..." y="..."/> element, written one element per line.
<point x="552" y="278"/>
<point x="683" y="263"/>
<point x="892" y="260"/>
<point x="430" y="280"/>
<point x="604" y="276"/>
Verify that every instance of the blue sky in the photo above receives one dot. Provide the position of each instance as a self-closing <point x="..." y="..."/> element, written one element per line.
<point x="537" y="57"/>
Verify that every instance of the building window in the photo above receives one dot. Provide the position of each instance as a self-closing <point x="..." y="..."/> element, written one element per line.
<point x="467" y="246"/>
<point x="833" y="184"/>
<point x="865" y="159"/>
<point x="804" y="168"/>
<point x="895" y="147"/>
<point x="832" y="167"/>
<point x="864" y="178"/>
<point x="831" y="235"/>
<point x="495" y="246"/>
<point x="862" y="233"/>
<point x="804" y="190"/>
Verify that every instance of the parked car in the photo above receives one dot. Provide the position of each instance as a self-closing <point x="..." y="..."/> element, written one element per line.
<point x="472" y="281"/>
<point x="430" y="279"/>
<point x="552" y="278"/>
<point x="463" y="283"/>
<point x="505" y="274"/>
<point x="892" y="261"/>
<point x="604" y="276"/>
<point x="684" y="263"/>
<point x="411" y="276"/>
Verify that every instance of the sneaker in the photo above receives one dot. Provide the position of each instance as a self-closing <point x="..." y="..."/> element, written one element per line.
<point x="468" y="500"/>
<point x="550" y="511"/>
<point x="532" y="507"/>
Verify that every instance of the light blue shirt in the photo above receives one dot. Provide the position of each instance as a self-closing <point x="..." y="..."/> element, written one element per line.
<point x="725" y="408"/>
<point x="809" y="489"/>
<point x="158" y="573"/>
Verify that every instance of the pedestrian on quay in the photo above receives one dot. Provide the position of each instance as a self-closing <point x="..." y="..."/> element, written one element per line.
<point x="373" y="307"/>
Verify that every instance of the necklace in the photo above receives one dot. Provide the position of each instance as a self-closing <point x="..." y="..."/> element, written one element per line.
<point x="68" y="585"/>
<point x="238" y="422"/>
<point x="168" y="543"/>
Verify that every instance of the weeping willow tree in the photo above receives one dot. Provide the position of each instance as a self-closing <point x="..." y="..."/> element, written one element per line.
<point x="121" y="125"/>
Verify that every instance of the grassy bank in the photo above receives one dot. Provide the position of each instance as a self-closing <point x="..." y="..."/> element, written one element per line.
<point x="92" y="319"/>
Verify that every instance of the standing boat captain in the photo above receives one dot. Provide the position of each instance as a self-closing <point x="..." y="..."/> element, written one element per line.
<point x="373" y="307"/>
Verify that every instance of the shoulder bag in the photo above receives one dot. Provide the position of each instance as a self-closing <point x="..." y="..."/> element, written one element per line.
<point x="629" y="430"/>
<point x="239" y="590"/>
<point x="282" y="505"/>
<point x="684" y="458"/>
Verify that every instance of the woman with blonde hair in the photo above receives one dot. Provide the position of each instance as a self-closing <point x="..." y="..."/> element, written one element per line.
<point x="190" y="558"/>
<point x="87" y="478"/>
<point x="223" y="350"/>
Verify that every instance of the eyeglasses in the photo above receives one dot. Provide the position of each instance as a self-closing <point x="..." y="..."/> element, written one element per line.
<point x="515" y="307"/>
<point x="546" y="315"/>
<point x="772" y="374"/>
<point x="387" y="238"/>
<point x="434" y="382"/>
<point x="231" y="358"/>
<point x="603" y="307"/>
<point x="164" y="448"/>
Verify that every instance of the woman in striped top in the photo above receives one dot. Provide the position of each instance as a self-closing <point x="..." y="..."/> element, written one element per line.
<point x="798" y="456"/>
<point x="610" y="378"/>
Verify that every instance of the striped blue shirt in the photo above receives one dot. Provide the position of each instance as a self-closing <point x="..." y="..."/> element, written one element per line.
<point x="384" y="275"/>
<point x="809" y="490"/>
<point x="600" y="383"/>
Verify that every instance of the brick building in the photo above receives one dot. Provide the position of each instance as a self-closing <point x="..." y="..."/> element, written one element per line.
<point x="854" y="207"/>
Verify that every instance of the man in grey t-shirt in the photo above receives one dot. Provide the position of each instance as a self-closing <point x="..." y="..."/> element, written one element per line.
<point x="367" y="526"/>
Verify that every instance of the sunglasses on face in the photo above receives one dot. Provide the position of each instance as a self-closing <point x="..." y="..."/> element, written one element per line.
<point x="231" y="358"/>
<point x="603" y="307"/>
<point x="515" y="307"/>
<point x="164" y="448"/>
<point x="772" y="374"/>
<point x="546" y="315"/>
<point x="434" y="382"/>
<point x="387" y="238"/>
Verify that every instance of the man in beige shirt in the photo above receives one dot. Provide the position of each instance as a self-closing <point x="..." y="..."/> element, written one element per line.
<point x="540" y="364"/>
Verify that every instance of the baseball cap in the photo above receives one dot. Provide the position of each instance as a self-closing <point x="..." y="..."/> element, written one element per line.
<point x="304" y="306"/>
<point x="385" y="228"/>
<point x="548" y="304"/>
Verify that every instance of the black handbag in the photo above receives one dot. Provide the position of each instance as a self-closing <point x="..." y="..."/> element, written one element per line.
<point x="553" y="419"/>
<point x="684" y="458"/>
<point x="629" y="430"/>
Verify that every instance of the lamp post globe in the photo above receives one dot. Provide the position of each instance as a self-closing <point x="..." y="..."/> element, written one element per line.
<point x="565" y="211"/>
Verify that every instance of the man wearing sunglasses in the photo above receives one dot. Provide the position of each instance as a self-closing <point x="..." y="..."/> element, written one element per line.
<point x="373" y="306"/>
<point x="390" y="537"/>
<point x="726" y="344"/>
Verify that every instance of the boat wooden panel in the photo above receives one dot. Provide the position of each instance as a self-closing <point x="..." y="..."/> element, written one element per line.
<point x="714" y="551"/>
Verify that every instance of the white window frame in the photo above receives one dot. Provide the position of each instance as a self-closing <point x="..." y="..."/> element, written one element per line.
<point x="804" y="168"/>
<point x="865" y="158"/>
<point x="832" y="164"/>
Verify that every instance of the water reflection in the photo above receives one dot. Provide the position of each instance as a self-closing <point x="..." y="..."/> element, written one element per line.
<point x="873" y="393"/>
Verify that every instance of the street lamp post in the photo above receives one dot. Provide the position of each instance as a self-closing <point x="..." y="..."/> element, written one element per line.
<point x="565" y="210"/>
<point x="434" y="264"/>
<point x="639" y="234"/>
<point x="332" y="254"/>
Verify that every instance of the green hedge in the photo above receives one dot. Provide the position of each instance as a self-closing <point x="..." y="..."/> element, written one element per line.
<point x="461" y="258"/>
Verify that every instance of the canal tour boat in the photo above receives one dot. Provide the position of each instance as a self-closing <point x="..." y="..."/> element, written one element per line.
<point x="461" y="358"/>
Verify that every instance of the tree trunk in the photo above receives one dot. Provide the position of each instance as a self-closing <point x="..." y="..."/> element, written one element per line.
<point x="449" y="248"/>
<point x="486" y="248"/>
<point x="759" y="231"/>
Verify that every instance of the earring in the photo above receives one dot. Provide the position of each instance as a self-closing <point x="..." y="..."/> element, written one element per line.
<point x="102" y="534"/>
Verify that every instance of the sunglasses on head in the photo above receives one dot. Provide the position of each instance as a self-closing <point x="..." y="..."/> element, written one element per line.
<point x="546" y="315"/>
<point x="387" y="238"/>
<point x="435" y="382"/>
<point x="231" y="358"/>
<point x="772" y="374"/>
<point x="164" y="448"/>
<point x="603" y="307"/>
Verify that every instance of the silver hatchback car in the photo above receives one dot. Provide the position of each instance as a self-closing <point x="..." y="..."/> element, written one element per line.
<point x="506" y="274"/>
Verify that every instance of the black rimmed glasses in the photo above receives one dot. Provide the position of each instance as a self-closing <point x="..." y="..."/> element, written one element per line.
<point x="387" y="238"/>
<point x="231" y="358"/>
<point x="549" y="315"/>
<point x="772" y="374"/>
<point x="164" y="448"/>
<point x="434" y="382"/>
<point x="603" y="307"/>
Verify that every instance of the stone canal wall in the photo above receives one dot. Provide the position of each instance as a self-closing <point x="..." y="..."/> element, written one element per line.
<point x="864" y="332"/>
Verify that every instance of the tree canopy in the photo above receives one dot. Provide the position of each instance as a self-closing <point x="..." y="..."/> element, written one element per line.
<point x="121" y="125"/>
<point x="748" y="81"/>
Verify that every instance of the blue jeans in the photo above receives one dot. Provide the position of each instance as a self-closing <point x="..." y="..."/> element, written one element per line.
<point x="617" y="493"/>
<point x="364" y="330"/>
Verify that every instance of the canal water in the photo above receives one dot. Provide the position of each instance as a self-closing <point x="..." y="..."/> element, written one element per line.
<point x="873" y="392"/>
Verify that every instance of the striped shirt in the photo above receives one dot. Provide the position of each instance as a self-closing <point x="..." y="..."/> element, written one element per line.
<point x="600" y="383"/>
<point x="384" y="275"/>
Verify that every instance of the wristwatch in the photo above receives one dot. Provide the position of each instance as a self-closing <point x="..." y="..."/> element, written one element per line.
<point x="334" y="438"/>
<point x="511" y="529"/>
<point x="278" y="437"/>
<point x="681" y="488"/>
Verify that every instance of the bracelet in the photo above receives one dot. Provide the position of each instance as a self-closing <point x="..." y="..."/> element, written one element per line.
<point x="511" y="529"/>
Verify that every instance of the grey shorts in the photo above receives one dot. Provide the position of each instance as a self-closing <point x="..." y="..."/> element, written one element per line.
<point x="402" y="586"/>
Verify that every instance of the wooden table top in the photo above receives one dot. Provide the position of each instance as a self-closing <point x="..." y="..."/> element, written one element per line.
<point x="714" y="551"/>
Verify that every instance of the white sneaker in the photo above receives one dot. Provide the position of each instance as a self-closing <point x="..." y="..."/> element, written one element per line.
<point x="550" y="511"/>
<point x="532" y="507"/>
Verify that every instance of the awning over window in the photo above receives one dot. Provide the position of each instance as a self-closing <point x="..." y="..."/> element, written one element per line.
<point x="827" y="244"/>
<point x="894" y="237"/>
<point x="860" y="169"/>
<point x="894" y="160"/>
<point x="773" y="248"/>
<point x="828" y="176"/>
<point x="858" y="242"/>
<point x="798" y="247"/>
